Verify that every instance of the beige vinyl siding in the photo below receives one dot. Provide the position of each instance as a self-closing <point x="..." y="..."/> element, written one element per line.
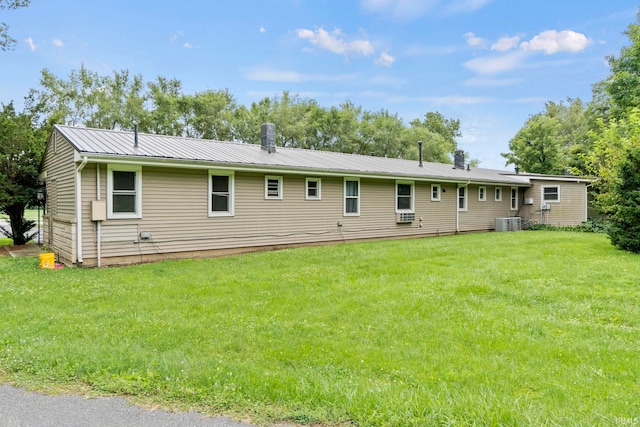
<point x="482" y="215"/>
<point x="570" y="210"/>
<point x="60" y="205"/>
<point x="175" y="212"/>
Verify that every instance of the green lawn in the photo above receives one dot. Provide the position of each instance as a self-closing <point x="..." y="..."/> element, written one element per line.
<point x="28" y="214"/>
<point x="530" y="328"/>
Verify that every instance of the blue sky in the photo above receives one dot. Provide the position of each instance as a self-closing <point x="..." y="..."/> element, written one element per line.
<point x="489" y="63"/>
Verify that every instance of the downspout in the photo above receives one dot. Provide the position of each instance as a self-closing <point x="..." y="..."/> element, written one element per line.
<point x="98" y="223"/>
<point x="79" y="209"/>
<point x="458" y="204"/>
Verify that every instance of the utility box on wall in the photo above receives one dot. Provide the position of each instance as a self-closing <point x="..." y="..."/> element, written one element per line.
<point x="98" y="210"/>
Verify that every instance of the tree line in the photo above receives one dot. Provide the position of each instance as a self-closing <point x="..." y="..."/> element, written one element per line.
<point x="121" y="100"/>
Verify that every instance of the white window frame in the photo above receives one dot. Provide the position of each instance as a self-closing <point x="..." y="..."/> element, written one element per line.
<point x="542" y="195"/>
<point x="497" y="194"/>
<point x="268" y="178"/>
<point x="482" y="193"/>
<point x="318" y="182"/>
<point x="411" y="196"/>
<point x="231" y="204"/>
<point x="345" y="213"/>
<point x="465" y="198"/>
<point x="438" y="189"/>
<point x="513" y="198"/>
<point x="138" y="191"/>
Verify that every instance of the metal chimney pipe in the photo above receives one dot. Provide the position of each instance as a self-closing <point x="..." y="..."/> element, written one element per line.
<point x="420" y="152"/>
<point x="135" y="135"/>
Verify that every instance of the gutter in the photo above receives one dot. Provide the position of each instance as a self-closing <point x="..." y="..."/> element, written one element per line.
<point x="79" y="209"/>
<point x="276" y="169"/>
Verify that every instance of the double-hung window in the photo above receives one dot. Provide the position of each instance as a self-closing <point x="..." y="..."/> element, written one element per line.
<point x="435" y="192"/>
<point x="498" y="194"/>
<point x="273" y="187"/>
<point x="312" y="189"/>
<point x="514" y="198"/>
<point x="404" y="196"/>
<point x="221" y="193"/>
<point x="482" y="194"/>
<point x="124" y="191"/>
<point x="462" y="198"/>
<point x="551" y="194"/>
<point x="351" y="197"/>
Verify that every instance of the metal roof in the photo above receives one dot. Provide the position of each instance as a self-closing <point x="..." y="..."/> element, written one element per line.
<point x="120" y="144"/>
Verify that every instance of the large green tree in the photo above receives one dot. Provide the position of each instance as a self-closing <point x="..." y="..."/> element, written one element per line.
<point x="620" y="91"/>
<point x="6" y="41"/>
<point x="21" y="147"/>
<point x="536" y="147"/>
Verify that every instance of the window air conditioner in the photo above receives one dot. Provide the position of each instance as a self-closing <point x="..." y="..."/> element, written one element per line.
<point x="404" y="217"/>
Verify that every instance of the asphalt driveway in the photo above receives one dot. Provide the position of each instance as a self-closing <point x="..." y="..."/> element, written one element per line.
<point x="19" y="408"/>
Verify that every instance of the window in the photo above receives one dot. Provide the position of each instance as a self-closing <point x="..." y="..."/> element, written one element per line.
<point x="435" y="192"/>
<point x="124" y="187"/>
<point x="313" y="189"/>
<point x="551" y="194"/>
<point x="514" y="198"/>
<point x="273" y="187"/>
<point x="351" y="197"/>
<point x="498" y="194"/>
<point x="220" y="193"/>
<point x="404" y="196"/>
<point x="482" y="194"/>
<point x="462" y="198"/>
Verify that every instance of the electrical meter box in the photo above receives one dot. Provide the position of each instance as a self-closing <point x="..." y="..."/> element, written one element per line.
<point x="98" y="210"/>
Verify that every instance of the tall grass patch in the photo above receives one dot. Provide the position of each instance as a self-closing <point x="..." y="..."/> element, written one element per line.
<point x="485" y="329"/>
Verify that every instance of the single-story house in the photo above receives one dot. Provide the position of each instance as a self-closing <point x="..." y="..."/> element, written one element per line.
<point x="117" y="197"/>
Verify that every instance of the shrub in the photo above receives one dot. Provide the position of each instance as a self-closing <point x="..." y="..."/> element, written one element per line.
<point x="591" y="226"/>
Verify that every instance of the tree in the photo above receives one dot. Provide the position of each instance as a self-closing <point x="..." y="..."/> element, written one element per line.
<point x="612" y="143"/>
<point x="21" y="148"/>
<point x="536" y="148"/>
<point x="622" y="87"/>
<point x="625" y="220"/>
<point x="6" y="41"/>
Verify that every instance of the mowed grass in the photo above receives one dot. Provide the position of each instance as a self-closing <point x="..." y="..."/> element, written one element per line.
<point x="517" y="329"/>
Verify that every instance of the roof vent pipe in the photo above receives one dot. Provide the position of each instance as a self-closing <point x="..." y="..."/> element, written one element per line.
<point x="517" y="170"/>
<point x="268" y="137"/>
<point x="420" y="153"/>
<point x="458" y="159"/>
<point x="135" y="135"/>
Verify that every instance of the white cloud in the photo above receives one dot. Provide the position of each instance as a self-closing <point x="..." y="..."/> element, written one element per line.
<point x="474" y="41"/>
<point x="490" y="82"/>
<point x="263" y="30"/>
<point x="465" y="6"/>
<point x="269" y="75"/>
<point x="495" y="64"/>
<point x="173" y="37"/>
<point x="557" y="41"/>
<point x="187" y="45"/>
<point x="334" y="42"/>
<point x="31" y="44"/>
<point x="458" y="100"/>
<point x="385" y="60"/>
<point x="405" y="10"/>
<point x="505" y="43"/>
<point x="58" y="43"/>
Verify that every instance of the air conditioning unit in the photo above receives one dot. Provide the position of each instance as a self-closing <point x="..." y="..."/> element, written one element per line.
<point x="515" y="223"/>
<point x="528" y="201"/>
<point x="503" y="224"/>
<point x="404" y="217"/>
